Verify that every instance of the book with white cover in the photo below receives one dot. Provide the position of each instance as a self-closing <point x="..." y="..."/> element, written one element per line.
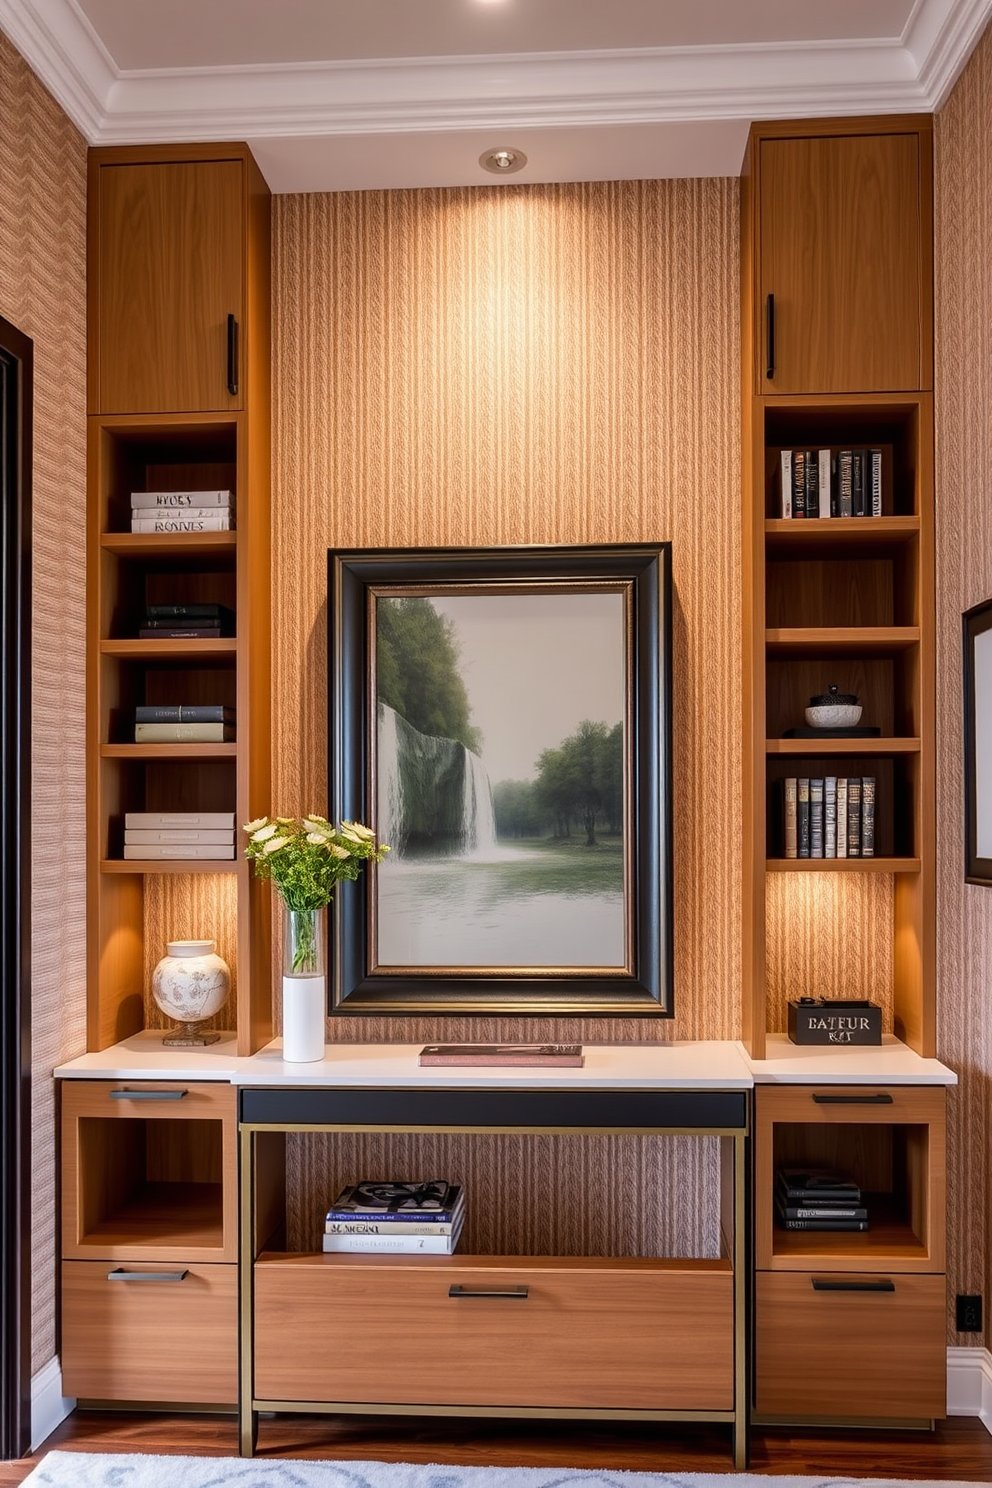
<point x="396" y="1244"/>
<point x="159" y="513"/>
<point x="139" y="835"/>
<point x="161" y="850"/>
<point x="181" y="498"/>
<point x="182" y="524"/>
<point x="179" y="819"/>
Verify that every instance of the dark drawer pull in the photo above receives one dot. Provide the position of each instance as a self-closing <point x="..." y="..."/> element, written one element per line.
<point x="505" y="1294"/>
<point x="148" y="1094"/>
<point x="770" y="336"/>
<point x="147" y="1275"/>
<point x="232" y="356"/>
<point x="882" y="1099"/>
<point x="820" y="1284"/>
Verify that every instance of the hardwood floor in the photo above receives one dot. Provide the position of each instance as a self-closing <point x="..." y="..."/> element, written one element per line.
<point x="959" y="1450"/>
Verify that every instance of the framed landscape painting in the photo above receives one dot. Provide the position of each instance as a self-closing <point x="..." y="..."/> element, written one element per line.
<point x="503" y="718"/>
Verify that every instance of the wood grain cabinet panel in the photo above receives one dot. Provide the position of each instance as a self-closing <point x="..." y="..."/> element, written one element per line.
<point x="150" y="1340"/>
<point x="850" y="1353"/>
<point x="843" y="246"/>
<point x="171" y="270"/>
<point x="635" y="1335"/>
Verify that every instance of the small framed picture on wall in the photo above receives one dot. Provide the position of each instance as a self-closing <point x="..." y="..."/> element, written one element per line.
<point x="978" y="743"/>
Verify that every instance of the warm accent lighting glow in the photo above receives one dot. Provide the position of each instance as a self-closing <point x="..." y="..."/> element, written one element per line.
<point x="502" y="160"/>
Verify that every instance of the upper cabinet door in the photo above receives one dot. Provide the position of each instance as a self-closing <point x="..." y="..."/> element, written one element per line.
<point x="169" y="277"/>
<point x="843" y="248"/>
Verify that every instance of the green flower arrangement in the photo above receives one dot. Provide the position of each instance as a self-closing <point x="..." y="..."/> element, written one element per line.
<point x="306" y="857"/>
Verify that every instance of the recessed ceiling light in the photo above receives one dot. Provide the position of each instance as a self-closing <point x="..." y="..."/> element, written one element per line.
<point x="502" y="161"/>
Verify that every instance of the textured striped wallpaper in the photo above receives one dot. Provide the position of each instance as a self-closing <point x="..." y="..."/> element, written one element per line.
<point x="523" y="364"/>
<point x="964" y="578"/>
<point x="42" y="291"/>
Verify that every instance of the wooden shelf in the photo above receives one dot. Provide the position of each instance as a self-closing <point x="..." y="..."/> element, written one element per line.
<point x="842" y="641"/>
<point x="838" y="537"/>
<point x="133" y="649"/>
<point x="168" y="544"/>
<point x="842" y="746"/>
<point x="890" y="1240"/>
<point x="169" y="751"/>
<point x="843" y="865"/>
<point x="166" y="1214"/>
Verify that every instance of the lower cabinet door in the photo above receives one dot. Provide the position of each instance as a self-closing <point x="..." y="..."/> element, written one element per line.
<point x="146" y="1331"/>
<point x="457" y="1331"/>
<point x="850" y="1345"/>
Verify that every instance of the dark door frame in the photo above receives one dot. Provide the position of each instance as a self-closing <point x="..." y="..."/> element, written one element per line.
<point x="16" y="391"/>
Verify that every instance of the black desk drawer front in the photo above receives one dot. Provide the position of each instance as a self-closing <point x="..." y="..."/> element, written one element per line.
<point x="504" y="1109"/>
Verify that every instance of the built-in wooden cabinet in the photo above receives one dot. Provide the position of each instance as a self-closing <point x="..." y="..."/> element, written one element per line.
<point x="840" y="227"/>
<point x="852" y="1324"/>
<point x="179" y="242"/>
<point x="174" y="239"/>
<point x="149" y="1242"/>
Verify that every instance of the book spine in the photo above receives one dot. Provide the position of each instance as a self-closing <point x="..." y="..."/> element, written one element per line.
<point x="824" y="1224"/>
<point x="192" y="850"/>
<point x="175" y="513"/>
<point x="179" y="819"/>
<point x="143" y="836"/>
<point x="791" y="801"/>
<point x="812" y="483"/>
<point x="845" y="476"/>
<point x="854" y="816"/>
<point x="867" y="816"/>
<point x="816" y="818"/>
<point x="831" y="1211"/>
<point x="825" y="460"/>
<point x="858" y="507"/>
<point x="187" y="633"/>
<point x="875" y="481"/>
<point x="169" y="611"/>
<point x="180" y="498"/>
<point x="792" y="1193"/>
<point x="181" y="524"/>
<point x="183" y="733"/>
<point x="387" y="1227"/>
<point x="799" y="483"/>
<point x="785" y="487"/>
<point x="842" y="816"/>
<point x="401" y="1244"/>
<point x="184" y="713"/>
<point x="802" y="818"/>
<point x="830" y="816"/>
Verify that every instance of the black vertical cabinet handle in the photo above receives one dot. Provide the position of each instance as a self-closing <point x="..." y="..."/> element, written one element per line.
<point x="770" y="335"/>
<point x="232" y="356"/>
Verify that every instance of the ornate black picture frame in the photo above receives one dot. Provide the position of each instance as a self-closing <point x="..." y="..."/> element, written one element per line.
<point x="978" y="743"/>
<point x="554" y="895"/>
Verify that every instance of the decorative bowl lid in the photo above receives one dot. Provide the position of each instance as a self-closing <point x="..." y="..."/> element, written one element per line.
<point x="825" y="699"/>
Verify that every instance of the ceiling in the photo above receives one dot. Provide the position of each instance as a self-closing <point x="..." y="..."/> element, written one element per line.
<point x="389" y="93"/>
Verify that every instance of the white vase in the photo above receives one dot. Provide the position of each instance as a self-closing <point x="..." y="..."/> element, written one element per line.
<point x="304" y="986"/>
<point x="190" y="984"/>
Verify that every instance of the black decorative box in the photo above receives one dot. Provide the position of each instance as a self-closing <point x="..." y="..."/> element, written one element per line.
<point x="835" y="1020"/>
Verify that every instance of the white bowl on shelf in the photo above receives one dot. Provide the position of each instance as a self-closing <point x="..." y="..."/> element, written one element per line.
<point x="833" y="715"/>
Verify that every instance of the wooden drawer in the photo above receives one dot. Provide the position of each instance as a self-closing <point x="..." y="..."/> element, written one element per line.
<point x="150" y="1340"/>
<point x="149" y="1170"/>
<point x="850" y="1353"/>
<point x="607" y="1334"/>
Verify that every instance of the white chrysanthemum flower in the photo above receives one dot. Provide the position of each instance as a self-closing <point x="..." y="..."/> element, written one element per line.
<point x="356" y="831"/>
<point x="315" y="824"/>
<point x="316" y="839"/>
<point x="253" y="826"/>
<point x="269" y="830"/>
<point x="274" y="844"/>
<point x="338" y="852"/>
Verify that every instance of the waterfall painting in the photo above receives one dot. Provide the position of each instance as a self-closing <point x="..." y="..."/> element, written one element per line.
<point x="502" y="718"/>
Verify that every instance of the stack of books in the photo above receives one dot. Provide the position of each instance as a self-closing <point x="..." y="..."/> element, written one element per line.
<point x="830" y="483"/>
<point x="832" y="817"/>
<point x="184" y="723"/>
<point x="401" y="1218"/>
<point x="818" y="1199"/>
<point x="182" y="511"/>
<point x="186" y="622"/>
<point x="178" y="834"/>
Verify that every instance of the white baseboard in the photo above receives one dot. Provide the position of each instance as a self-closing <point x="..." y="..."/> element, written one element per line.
<point x="969" y="1384"/>
<point x="49" y="1407"/>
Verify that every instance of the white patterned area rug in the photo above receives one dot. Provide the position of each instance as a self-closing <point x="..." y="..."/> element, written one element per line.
<point x="132" y="1470"/>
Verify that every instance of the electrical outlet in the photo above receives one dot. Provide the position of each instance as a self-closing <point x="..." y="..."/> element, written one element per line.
<point x="968" y="1314"/>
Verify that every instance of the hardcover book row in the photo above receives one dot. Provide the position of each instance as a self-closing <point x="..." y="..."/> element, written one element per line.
<point x="829" y="817"/>
<point x="182" y="511"/>
<point x="830" y="483"/>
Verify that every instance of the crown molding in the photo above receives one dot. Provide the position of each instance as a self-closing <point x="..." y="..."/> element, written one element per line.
<point x="563" y="90"/>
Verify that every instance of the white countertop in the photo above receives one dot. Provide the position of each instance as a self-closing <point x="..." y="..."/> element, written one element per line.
<point x="695" y="1065"/>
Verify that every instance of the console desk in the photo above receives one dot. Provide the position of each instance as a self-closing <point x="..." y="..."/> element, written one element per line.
<point x="609" y="1337"/>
